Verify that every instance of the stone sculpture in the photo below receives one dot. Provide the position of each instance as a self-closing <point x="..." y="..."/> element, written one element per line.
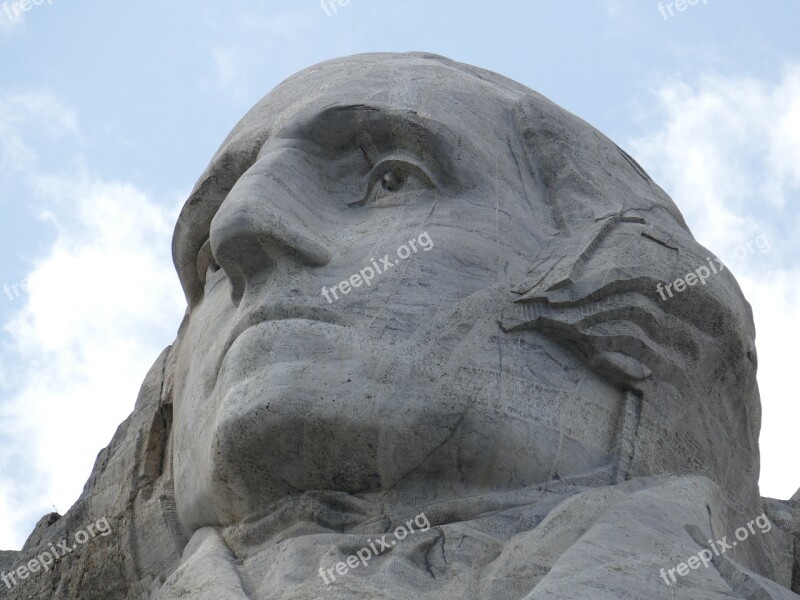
<point x="425" y="357"/>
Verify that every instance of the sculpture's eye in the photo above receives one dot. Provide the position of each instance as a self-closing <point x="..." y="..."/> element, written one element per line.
<point x="396" y="182"/>
<point x="392" y="181"/>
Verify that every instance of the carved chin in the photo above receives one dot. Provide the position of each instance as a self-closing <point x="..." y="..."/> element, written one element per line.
<point x="288" y="433"/>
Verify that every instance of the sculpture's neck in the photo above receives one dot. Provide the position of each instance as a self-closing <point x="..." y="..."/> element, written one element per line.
<point x="333" y="513"/>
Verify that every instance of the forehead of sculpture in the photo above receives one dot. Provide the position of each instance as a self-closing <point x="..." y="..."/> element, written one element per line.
<point x="432" y="86"/>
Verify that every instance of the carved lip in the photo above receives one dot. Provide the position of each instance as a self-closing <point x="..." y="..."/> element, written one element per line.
<point x="280" y="311"/>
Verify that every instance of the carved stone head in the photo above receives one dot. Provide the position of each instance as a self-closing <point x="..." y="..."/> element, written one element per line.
<point x="413" y="279"/>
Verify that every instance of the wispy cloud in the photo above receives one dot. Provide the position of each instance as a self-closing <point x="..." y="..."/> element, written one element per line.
<point x="727" y="149"/>
<point x="8" y="24"/>
<point x="103" y="301"/>
<point x="228" y="74"/>
<point x="28" y="117"/>
<point x="239" y="63"/>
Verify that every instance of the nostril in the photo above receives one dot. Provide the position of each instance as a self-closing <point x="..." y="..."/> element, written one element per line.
<point x="752" y="355"/>
<point x="243" y="259"/>
<point x="206" y="261"/>
<point x="238" y="284"/>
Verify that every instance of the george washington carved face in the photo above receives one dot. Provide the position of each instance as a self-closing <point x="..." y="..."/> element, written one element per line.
<point x="501" y="357"/>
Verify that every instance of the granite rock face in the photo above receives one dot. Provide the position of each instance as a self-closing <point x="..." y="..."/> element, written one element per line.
<point x="429" y="353"/>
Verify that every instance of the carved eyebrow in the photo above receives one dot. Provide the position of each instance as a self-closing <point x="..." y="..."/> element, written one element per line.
<point x="370" y="160"/>
<point x="374" y="130"/>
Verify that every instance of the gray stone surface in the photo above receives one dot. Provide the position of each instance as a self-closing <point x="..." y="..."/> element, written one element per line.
<point x="515" y="386"/>
<point x="7" y="558"/>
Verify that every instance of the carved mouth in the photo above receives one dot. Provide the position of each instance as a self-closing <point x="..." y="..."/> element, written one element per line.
<point x="281" y="311"/>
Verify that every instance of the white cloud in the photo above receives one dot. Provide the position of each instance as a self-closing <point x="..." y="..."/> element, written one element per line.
<point x="13" y="14"/>
<point x="245" y="57"/>
<point x="37" y="114"/>
<point x="103" y="302"/>
<point x="8" y="20"/>
<point x="727" y="150"/>
<point x="228" y="74"/>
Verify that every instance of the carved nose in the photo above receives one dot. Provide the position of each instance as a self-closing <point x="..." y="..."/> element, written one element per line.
<point x="264" y="219"/>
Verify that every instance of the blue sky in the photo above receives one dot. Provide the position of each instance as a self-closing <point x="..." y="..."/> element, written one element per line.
<point x="110" y="111"/>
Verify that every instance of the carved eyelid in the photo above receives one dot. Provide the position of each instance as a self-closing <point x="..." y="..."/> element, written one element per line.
<point x="399" y="162"/>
